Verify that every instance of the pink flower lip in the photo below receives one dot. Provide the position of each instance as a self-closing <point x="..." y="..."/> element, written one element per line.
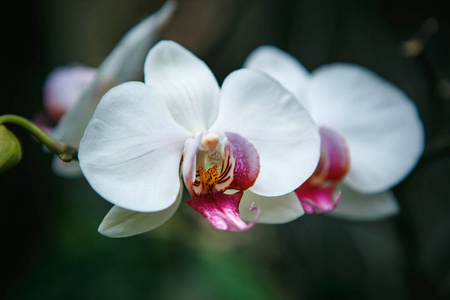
<point x="317" y="193"/>
<point x="238" y="171"/>
<point x="316" y="200"/>
<point x="222" y="210"/>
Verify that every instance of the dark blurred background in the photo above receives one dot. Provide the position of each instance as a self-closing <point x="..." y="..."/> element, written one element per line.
<point x="51" y="248"/>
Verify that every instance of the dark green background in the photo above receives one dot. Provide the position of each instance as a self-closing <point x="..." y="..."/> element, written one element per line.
<point x="50" y="244"/>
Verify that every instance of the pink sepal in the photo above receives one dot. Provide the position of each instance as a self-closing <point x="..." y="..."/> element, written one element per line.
<point x="337" y="152"/>
<point x="318" y="199"/>
<point x="316" y="194"/>
<point x="222" y="210"/>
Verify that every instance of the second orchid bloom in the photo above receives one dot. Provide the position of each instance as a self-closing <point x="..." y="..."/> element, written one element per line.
<point x="371" y="133"/>
<point x="250" y="137"/>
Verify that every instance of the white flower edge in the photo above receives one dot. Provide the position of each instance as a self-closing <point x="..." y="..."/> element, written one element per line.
<point x="274" y="210"/>
<point x="120" y="222"/>
<point x="356" y="206"/>
<point x="185" y="82"/>
<point x="281" y="66"/>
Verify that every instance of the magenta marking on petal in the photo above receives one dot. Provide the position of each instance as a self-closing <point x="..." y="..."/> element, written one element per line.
<point x="222" y="210"/>
<point x="246" y="161"/>
<point x="318" y="199"/>
<point x="338" y="153"/>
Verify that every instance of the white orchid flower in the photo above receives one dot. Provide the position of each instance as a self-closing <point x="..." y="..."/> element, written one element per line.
<point x="124" y="63"/>
<point x="371" y="133"/>
<point x="250" y="134"/>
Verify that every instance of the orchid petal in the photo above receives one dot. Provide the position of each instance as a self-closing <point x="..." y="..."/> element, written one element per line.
<point x="120" y="222"/>
<point x="379" y="122"/>
<point x="258" y="108"/>
<point x="126" y="61"/>
<point x="131" y="150"/>
<point x="123" y="64"/>
<point x="274" y="210"/>
<point x="222" y="210"/>
<point x="365" y="207"/>
<point x="281" y="66"/>
<point x="189" y="162"/>
<point x="186" y="84"/>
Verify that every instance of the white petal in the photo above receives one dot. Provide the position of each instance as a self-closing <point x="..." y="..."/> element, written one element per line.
<point x="186" y="83"/>
<point x="120" y="222"/>
<point x="281" y="66"/>
<point x="189" y="167"/>
<point x="124" y="63"/>
<point x="365" y="207"/>
<point x="380" y="123"/>
<point x="131" y="150"/>
<point x="274" y="210"/>
<point x="262" y="111"/>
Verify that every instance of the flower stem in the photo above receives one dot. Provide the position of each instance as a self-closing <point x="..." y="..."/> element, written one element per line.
<point x="65" y="152"/>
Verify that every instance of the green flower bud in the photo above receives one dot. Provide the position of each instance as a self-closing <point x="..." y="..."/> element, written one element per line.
<point x="10" y="150"/>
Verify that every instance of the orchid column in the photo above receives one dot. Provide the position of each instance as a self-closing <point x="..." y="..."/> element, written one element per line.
<point x="250" y="135"/>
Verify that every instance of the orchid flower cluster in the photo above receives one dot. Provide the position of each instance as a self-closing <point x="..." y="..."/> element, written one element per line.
<point x="270" y="144"/>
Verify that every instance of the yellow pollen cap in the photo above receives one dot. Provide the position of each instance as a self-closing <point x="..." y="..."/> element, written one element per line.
<point x="209" y="178"/>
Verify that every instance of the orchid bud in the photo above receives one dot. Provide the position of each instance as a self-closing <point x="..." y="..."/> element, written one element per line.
<point x="10" y="151"/>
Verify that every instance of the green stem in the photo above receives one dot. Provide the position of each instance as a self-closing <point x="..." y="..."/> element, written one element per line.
<point x="65" y="152"/>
